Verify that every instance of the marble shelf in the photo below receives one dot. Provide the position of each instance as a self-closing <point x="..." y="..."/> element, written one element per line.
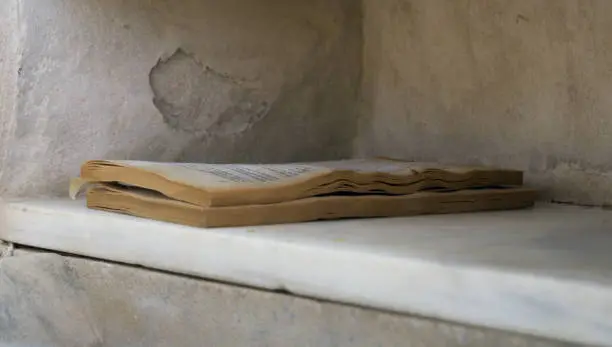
<point x="545" y="271"/>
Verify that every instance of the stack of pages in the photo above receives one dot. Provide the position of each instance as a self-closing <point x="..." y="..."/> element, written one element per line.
<point x="219" y="195"/>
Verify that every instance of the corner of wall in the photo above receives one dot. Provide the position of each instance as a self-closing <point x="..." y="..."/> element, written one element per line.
<point x="371" y="52"/>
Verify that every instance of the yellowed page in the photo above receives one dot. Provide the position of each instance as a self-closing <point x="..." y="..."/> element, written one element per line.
<point x="148" y="204"/>
<point x="244" y="184"/>
<point x="229" y="176"/>
<point x="234" y="176"/>
<point x="389" y="166"/>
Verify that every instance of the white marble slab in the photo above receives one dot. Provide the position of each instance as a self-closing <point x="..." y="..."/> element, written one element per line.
<point x="546" y="271"/>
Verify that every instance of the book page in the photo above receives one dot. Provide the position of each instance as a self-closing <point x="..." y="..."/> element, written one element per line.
<point x="257" y="175"/>
<point x="386" y="166"/>
<point x="229" y="175"/>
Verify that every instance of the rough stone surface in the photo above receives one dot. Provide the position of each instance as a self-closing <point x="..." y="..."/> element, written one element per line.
<point x="50" y="300"/>
<point x="213" y="81"/>
<point x="523" y="84"/>
<point x="9" y="71"/>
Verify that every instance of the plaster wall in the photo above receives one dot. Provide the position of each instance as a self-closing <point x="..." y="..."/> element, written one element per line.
<point x="189" y="80"/>
<point x="522" y="84"/>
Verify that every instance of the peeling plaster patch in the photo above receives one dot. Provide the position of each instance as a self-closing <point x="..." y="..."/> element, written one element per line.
<point x="196" y="99"/>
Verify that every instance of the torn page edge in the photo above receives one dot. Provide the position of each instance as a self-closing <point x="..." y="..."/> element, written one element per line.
<point x="77" y="185"/>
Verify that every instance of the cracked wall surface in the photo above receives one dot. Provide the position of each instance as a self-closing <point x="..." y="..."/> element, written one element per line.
<point x="196" y="80"/>
<point x="523" y="84"/>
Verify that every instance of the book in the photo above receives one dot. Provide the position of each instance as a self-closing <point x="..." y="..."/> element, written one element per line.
<point x="153" y="205"/>
<point x="230" y="185"/>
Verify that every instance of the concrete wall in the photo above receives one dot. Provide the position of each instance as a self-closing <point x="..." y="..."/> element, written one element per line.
<point x="189" y="80"/>
<point x="524" y="84"/>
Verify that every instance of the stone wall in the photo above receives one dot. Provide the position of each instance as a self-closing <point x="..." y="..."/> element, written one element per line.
<point x="100" y="304"/>
<point x="9" y="72"/>
<point x="190" y="80"/>
<point x="522" y="84"/>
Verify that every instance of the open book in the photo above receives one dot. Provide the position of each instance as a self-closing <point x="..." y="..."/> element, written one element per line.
<point x="219" y="185"/>
<point x="215" y="195"/>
